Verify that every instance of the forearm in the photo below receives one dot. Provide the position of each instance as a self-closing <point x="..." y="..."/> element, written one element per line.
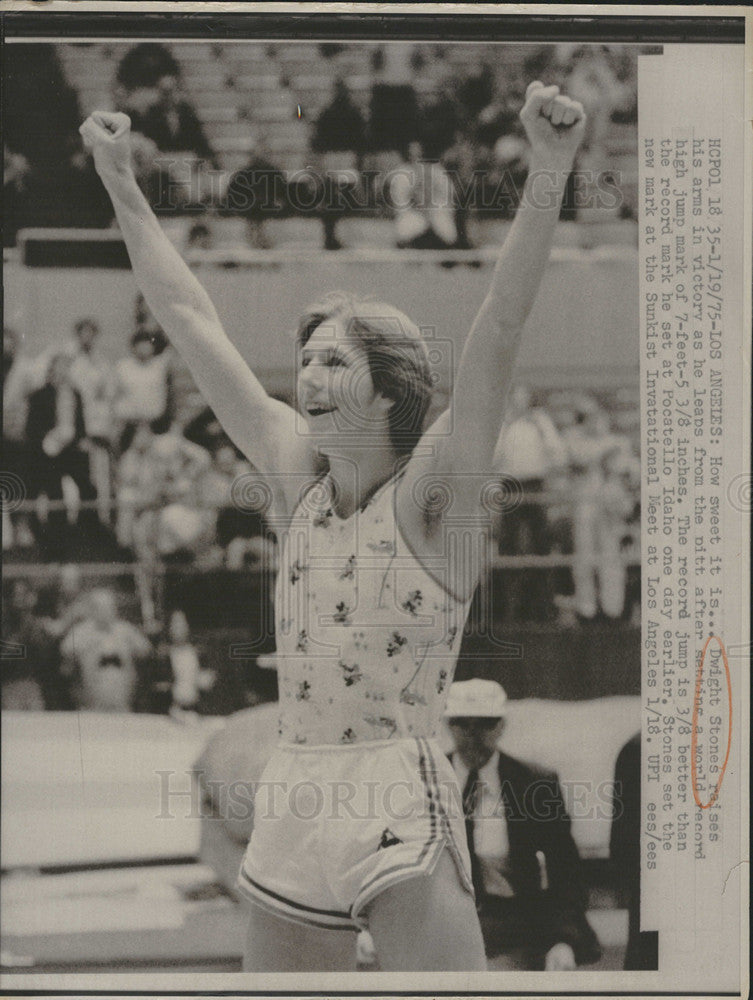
<point x="525" y="253"/>
<point x="165" y="280"/>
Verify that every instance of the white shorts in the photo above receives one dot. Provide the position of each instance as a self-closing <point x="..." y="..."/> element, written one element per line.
<point x="334" y="826"/>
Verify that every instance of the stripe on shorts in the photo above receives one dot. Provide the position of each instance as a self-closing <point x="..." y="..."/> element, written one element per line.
<point x="285" y="907"/>
<point x="428" y="854"/>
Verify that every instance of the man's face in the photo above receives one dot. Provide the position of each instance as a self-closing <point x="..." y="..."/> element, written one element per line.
<point x="476" y="738"/>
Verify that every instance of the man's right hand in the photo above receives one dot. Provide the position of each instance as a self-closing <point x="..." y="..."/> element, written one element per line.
<point x="107" y="135"/>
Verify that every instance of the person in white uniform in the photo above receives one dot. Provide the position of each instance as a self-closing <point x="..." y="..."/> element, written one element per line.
<point x="373" y="586"/>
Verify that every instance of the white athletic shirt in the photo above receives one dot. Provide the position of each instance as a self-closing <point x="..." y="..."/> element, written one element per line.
<point x="367" y="641"/>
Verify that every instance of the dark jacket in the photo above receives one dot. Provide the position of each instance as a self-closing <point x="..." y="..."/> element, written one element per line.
<point x="546" y="909"/>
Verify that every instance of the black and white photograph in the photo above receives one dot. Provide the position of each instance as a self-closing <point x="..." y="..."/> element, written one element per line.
<point x="344" y="587"/>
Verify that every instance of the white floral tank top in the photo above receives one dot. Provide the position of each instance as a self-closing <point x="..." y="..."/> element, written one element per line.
<point x="367" y="641"/>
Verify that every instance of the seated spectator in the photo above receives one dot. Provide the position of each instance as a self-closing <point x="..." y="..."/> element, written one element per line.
<point x="142" y="385"/>
<point x="55" y="434"/>
<point x="101" y="656"/>
<point x="529" y="451"/>
<point x="180" y="679"/>
<point x="524" y="862"/>
<point x="91" y="376"/>
<point x="257" y="192"/>
<point x="421" y="195"/>
<point x="30" y="666"/>
<point x="139" y="71"/>
<point x="241" y="533"/>
<point x="149" y="90"/>
<point x="339" y="142"/>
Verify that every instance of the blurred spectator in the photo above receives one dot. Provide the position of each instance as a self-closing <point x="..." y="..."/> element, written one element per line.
<point x="530" y="451"/>
<point x="393" y="111"/>
<point x="180" y="462"/>
<point x="592" y="80"/>
<point x="157" y="499"/>
<point x="164" y="518"/>
<point x="55" y="436"/>
<point x="63" y="603"/>
<point x="339" y="140"/>
<point x="205" y="429"/>
<point x="257" y="192"/>
<point x="459" y="162"/>
<point x="602" y="506"/>
<point x="241" y="533"/>
<point x="16" y="206"/>
<point x="30" y="663"/>
<point x="439" y="121"/>
<point x="21" y="376"/>
<point x="140" y="69"/>
<point x="137" y="482"/>
<point x="184" y="532"/>
<point x="149" y="90"/>
<point x="101" y="656"/>
<point x="180" y="678"/>
<point x="421" y="196"/>
<point x="143" y="385"/>
<point x="92" y="377"/>
<point x="171" y="122"/>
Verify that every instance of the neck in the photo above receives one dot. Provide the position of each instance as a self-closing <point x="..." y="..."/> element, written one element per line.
<point x="476" y="760"/>
<point x="358" y="474"/>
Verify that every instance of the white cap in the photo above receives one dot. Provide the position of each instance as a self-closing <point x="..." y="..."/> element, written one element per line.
<point x="476" y="699"/>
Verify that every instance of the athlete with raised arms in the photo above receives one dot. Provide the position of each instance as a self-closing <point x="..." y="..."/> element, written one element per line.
<point x="371" y="601"/>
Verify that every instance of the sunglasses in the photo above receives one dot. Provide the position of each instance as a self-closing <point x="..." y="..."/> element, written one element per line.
<point x="473" y="722"/>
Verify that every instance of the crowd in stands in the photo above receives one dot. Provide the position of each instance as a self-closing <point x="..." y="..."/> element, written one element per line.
<point x="113" y="464"/>
<point x="74" y="649"/>
<point x="421" y="137"/>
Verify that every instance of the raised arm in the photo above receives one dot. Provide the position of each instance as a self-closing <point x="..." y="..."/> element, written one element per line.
<point x="554" y="125"/>
<point x="263" y="428"/>
<point x="459" y="447"/>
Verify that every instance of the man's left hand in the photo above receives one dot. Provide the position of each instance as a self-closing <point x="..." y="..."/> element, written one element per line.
<point x="554" y="125"/>
<point x="560" y="958"/>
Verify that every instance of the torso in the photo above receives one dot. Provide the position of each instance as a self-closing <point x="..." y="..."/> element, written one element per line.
<point x="367" y="639"/>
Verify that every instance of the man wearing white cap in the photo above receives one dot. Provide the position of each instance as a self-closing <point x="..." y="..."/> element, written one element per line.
<point x="524" y="862"/>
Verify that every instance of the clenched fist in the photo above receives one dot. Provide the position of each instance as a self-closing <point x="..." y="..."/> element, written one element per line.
<point x="554" y="125"/>
<point x="107" y="135"/>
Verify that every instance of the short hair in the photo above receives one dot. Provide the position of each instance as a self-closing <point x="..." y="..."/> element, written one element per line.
<point x="85" y="324"/>
<point x="397" y="356"/>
